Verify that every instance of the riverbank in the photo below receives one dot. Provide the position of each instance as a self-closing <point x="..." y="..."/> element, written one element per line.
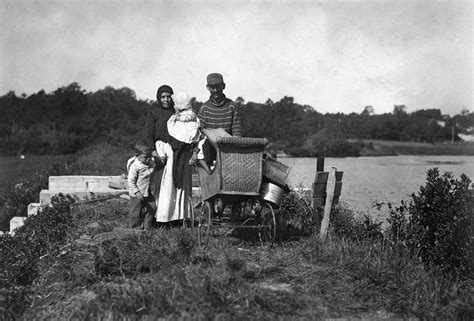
<point x="393" y="148"/>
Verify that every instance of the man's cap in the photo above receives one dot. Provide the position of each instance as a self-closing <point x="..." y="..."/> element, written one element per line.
<point x="215" y="79"/>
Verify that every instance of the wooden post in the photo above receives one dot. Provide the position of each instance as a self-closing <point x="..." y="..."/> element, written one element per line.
<point x="319" y="168"/>
<point x="331" y="185"/>
<point x="320" y="164"/>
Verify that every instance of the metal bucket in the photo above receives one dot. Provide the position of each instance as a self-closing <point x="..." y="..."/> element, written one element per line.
<point x="272" y="193"/>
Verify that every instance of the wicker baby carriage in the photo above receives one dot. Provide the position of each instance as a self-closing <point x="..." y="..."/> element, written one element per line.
<point x="235" y="179"/>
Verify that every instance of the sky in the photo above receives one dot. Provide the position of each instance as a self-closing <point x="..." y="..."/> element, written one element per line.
<point x="334" y="56"/>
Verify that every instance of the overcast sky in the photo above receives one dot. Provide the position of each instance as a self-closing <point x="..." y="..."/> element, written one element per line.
<point x="334" y="56"/>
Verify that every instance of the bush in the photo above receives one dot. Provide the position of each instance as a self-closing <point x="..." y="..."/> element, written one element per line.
<point x="41" y="234"/>
<point x="435" y="225"/>
<point x="19" y="195"/>
<point x="301" y="219"/>
<point x="344" y="223"/>
<point x="297" y="215"/>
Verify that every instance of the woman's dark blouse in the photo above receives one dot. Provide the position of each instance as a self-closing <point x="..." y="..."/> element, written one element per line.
<point x="156" y="126"/>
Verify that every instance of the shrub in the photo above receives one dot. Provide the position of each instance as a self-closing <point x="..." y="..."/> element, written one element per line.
<point x="41" y="234"/>
<point x="296" y="213"/>
<point x="344" y="223"/>
<point x="301" y="219"/>
<point x="440" y="219"/>
<point x="19" y="195"/>
<point x="435" y="225"/>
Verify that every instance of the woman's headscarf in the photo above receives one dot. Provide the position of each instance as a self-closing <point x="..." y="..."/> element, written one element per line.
<point x="163" y="89"/>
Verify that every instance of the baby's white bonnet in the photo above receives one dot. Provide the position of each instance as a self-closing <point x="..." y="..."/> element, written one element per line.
<point x="182" y="101"/>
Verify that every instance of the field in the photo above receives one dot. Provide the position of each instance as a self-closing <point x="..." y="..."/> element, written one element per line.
<point x="14" y="169"/>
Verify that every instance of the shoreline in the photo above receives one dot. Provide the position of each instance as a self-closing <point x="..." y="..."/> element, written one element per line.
<point x="396" y="148"/>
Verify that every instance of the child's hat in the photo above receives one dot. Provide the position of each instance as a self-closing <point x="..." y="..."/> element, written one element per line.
<point x="182" y="101"/>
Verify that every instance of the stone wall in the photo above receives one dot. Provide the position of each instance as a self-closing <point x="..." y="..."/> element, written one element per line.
<point x="80" y="188"/>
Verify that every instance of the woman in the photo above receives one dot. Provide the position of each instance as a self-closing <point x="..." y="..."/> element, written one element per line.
<point x="172" y="191"/>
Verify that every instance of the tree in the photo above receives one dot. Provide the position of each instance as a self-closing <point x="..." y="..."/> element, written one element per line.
<point x="368" y="110"/>
<point x="399" y="109"/>
<point x="13" y="110"/>
<point x="240" y="101"/>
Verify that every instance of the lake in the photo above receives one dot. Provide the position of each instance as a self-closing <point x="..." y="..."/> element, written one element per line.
<point x="366" y="179"/>
<point x="378" y="179"/>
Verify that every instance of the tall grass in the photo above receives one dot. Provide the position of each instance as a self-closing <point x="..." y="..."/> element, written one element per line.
<point x="163" y="273"/>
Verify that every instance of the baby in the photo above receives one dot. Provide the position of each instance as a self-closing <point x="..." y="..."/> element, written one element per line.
<point x="184" y="126"/>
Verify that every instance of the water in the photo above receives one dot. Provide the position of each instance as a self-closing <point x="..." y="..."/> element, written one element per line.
<point x="368" y="180"/>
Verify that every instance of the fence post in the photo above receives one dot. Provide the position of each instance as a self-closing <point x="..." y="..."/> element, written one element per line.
<point x="331" y="185"/>
<point x="319" y="168"/>
<point x="320" y="164"/>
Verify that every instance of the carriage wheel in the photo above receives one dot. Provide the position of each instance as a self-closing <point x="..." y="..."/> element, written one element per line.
<point x="189" y="222"/>
<point x="267" y="226"/>
<point x="204" y="226"/>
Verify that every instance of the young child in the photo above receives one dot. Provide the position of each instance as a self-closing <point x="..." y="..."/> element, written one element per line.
<point x="184" y="126"/>
<point x="142" y="204"/>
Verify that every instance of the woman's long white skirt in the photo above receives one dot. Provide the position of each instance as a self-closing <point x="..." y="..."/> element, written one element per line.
<point x="171" y="203"/>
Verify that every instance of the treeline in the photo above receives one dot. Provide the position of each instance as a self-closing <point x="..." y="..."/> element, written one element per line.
<point x="70" y="119"/>
<point x="302" y="131"/>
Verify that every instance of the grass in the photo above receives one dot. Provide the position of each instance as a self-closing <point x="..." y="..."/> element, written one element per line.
<point x="164" y="274"/>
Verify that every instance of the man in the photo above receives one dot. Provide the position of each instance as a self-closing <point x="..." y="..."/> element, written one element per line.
<point x="219" y="111"/>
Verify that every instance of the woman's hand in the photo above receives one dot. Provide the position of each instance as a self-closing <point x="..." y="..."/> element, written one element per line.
<point x="193" y="159"/>
<point x="163" y="151"/>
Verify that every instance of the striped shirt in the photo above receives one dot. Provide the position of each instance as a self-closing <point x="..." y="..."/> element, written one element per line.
<point x="225" y="115"/>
